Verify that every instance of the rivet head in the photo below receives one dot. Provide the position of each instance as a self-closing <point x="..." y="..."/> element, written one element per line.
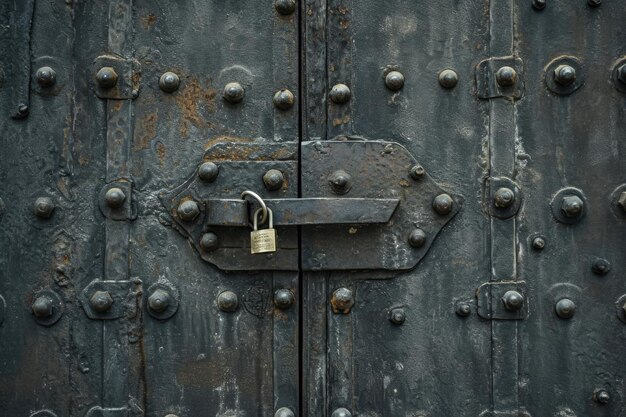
<point x="42" y="307"/>
<point x="285" y="7"/>
<point x="341" y="412"/>
<point x="448" y="78"/>
<point x="43" y="207"/>
<point x="504" y="197"/>
<point x="417" y="238"/>
<point x="233" y="92"/>
<point x="594" y="3"/>
<point x="188" y="210"/>
<point x="394" y="80"/>
<point x="506" y="76"/>
<point x="115" y="197"/>
<point x="227" y="301"/>
<point x="283" y="298"/>
<point x="284" y="412"/>
<point x="417" y="172"/>
<point x="397" y="316"/>
<point x="602" y="396"/>
<point x="159" y="301"/>
<point x="463" y="309"/>
<point x="621" y="74"/>
<point x="513" y="300"/>
<point x="22" y="110"/>
<point x="565" y="308"/>
<point x="46" y="77"/>
<point x="169" y="82"/>
<point x="621" y="201"/>
<point x="208" y="171"/>
<point x="443" y="204"/>
<point x="101" y="301"/>
<point x="539" y="243"/>
<point x="565" y="75"/>
<point x="106" y="77"/>
<point x="283" y="99"/>
<point x="340" y="94"/>
<point x="340" y="181"/>
<point x="209" y="242"/>
<point x="273" y="180"/>
<point x="572" y="206"/>
<point x="601" y="267"/>
<point x="539" y="4"/>
<point x="342" y="301"/>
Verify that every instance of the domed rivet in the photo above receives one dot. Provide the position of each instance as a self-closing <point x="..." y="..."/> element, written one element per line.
<point x="594" y="3"/>
<point x="394" y="80"/>
<point x="159" y="301"/>
<point x="43" y="207"/>
<point x="341" y="412"/>
<point x="209" y="242"/>
<point x="101" y="301"/>
<point x="22" y="111"/>
<point x="539" y="243"/>
<point x="417" y="238"/>
<point x="565" y="75"/>
<point x="621" y="76"/>
<point x="188" y="210"/>
<point x="463" y="309"/>
<point x="513" y="300"/>
<point x="169" y="82"/>
<point x="283" y="99"/>
<point x="572" y="206"/>
<point x="602" y="396"/>
<point x="506" y="76"/>
<point x="565" y="308"/>
<point x="106" y="77"/>
<point x="273" y="180"/>
<point x="233" y="92"/>
<point x="285" y="7"/>
<point x="539" y="4"/>
<point x="42" y="307"/>
<point x="340" y="94"/>
<point x="227" y="301"/>
<point x="283" y="298"/>
<point x="448" y="78"/>
<point x="621" y="200"/>
<point x="342" y="301"/>
<point x="115" y="197"/>
<point x="443" y="204"/>
<point x="340" y="181"/>
<point x="208" y="171"/>
<point x="417" y="172"/>
<point x="601" y="266"/>
<point x="397" y="316"/>
<point x="504" y="197"/>
<point x="46" y="77"/>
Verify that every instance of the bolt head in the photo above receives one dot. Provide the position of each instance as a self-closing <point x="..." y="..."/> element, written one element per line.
<point x="417" y="238"/>
<point x="602" y="396"/>
<point x="448" y="78"/>
<point x="106" y="77"/>
<point x="209" y="242"/>
<point x="46" y="77"/>
<point x="397" y="316"/>
<point x="394" y="80"/>
<point x="513" y="300"/>
<point x="115" y="197"/>
<point x="188" y="210"/>
<point x="601" y="266"/>
<point x="42" y="307"/>
<point x="283" y="99"/>
<point x="417" y="172"/>
<point x="565" y="308"/>
<point x="159" y="301"/>
<point x="285" y="7"/>
<point x="208" y="171"/>
<point x="539" y="243"/>
<point x="341" y="412"/>
<point x="539" y="4"/>
<point x="340" y="181"/>
<point x="101" y="301"/>
<point x="506" y="76"/>
<point x="594" y="3"/>
<point x="504" y="197"/>
<point x="342" y="300"/>
<point x="284" y="412"/>
<point x="43" y="207"/>
<point x="227" y="301"/>
<point x="443" y="204"/>
<point x="283" y="298"/>
<point x="572" y="206"/>
<point x="463" y="309"/>
<point x="22" y="110"/>
<point x="233" y="92"/>
<point x="621" y="74"/>
<point x="273" y="180"/>
<point x="565" y="75"/>
<point x="621" y="201"/>
<point x="340" y="94"/>
<point x="169" y="82"/>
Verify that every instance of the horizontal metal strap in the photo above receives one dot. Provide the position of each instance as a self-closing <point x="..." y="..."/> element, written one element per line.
<point x="305" y="211"/>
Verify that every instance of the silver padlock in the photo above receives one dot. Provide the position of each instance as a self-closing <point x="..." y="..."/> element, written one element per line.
<point x="264" y="240"/>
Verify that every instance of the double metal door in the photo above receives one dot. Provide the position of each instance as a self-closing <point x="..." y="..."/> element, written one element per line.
<point x="448" y="188"/>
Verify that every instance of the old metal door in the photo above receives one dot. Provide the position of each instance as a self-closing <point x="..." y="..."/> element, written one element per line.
<point x="447" y="182"/>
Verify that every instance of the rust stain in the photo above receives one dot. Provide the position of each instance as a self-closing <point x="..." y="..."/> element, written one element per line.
<point x="117" y="106"/>
<point x="192" y="99"/>
<point x="149" y="20"/>
<point x="160" y="151"/>
<point x="344" y="23"/>
<point x="343" y="10"/>
<point x="84" y="159"/>
<point x="147" y="131"/>
<point x="343" y="120"/>
<point x="404" y="183"/>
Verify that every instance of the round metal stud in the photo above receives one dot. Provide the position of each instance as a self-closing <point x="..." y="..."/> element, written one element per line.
<point x="417" y="172"/>
<point x="46" y="77"/>
<point x="539" y="243"/>
<point x="115" y="197"/>
<point x="342" y="301"/>
<point x="169" y="82"/>
<point x="340" y="182"/>
<point x="162" y="300"/>
<point x="397" y="316"/>
<point x="340" y="94"/>
<point x="443" y="204"/>
<point x="565" y="75"/>
<point x="101" y="301"/>
<point x="572" y="206"/>
<point x="565" y="308"/>
<point x="22" y="111"/>
<point x="285" y="7"/>
<point x="341" y="412"/>
<point x="394" y="80"/>
<point x="568" y="205"/>
<point x="208" y="171"/>
<point x="233" y="92"/>
<point x="47" y="307"/>
<point x="463" y="309"/>
<point x="43" y="307"/>
<point x="106" y="77"/>
<point x="513" y="300"/>
<point x="171" y="415"/>
<point x="601" y="266"/>
<point x="506" y="76"/>
<point x="504" y="197"/>
<point x="283" y="99"/>
<point x="188" y="210"/>
<point x="209" y="242"/>
<point x="417" y="238"/>
<point x="159" y="301"/>
<point x="539" y="4"/>
<point x="594" y="3"/>
<point x="43" y="207"/>
<point x="228" y="301"/>
<point x="602" y="396"/>
<point x="273" y="180"/>
<point x="621" y="73"/>
<point x="448" y="78"/>
<point x="284" y="298"/>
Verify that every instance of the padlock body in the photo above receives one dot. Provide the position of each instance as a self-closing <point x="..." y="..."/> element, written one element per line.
<point x="263" y="241"/>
